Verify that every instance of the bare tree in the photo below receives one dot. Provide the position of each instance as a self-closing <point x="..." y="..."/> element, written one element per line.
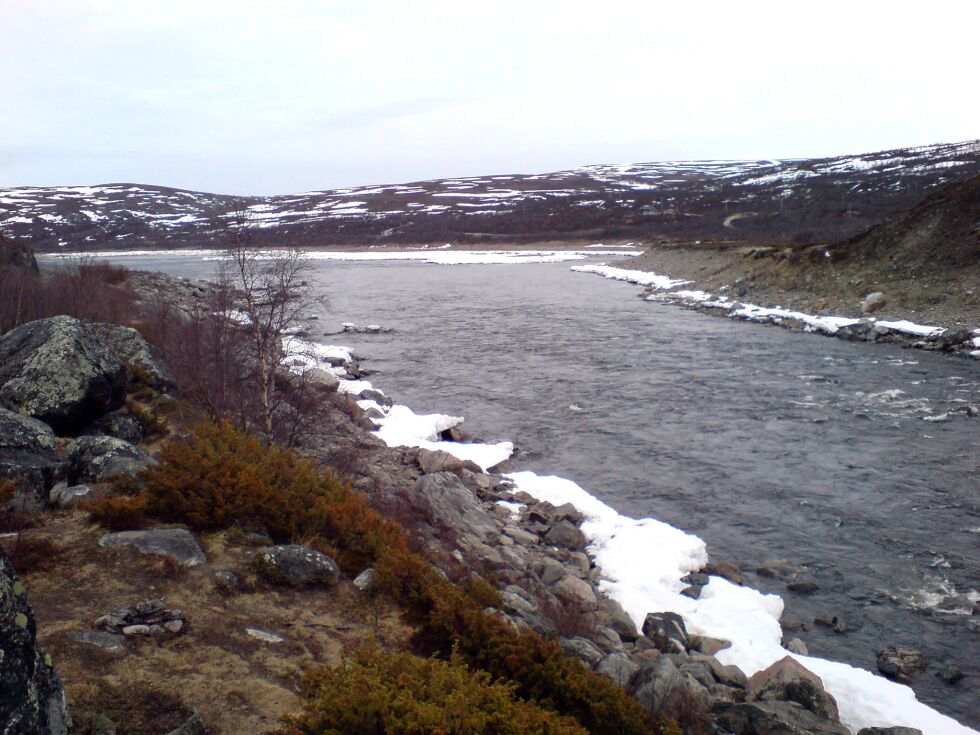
<point x="273" y="294"/>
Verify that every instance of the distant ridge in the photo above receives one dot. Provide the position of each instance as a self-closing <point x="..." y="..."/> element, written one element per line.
<point x="798" y="200"/>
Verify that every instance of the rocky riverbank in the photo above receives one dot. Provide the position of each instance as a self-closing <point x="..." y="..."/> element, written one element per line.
<point x="67" y="376"/>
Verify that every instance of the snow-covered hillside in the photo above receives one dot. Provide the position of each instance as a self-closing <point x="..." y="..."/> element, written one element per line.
<point x="821" y="198"/>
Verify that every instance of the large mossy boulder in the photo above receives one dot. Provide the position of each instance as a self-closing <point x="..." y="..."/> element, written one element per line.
<point x="129" y="346"/>
<point x="54" y="370"/>
<point x="27" y="456"/>
<point x="32" y="699"/>
<point x="98" y="458"/>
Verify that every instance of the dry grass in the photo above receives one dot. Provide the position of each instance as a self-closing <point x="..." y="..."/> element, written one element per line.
<point x="238" y="683"/>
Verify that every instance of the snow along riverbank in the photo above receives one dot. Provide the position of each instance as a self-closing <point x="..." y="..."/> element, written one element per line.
<point x="665" y="289"/>
<point x="642" y="562"/>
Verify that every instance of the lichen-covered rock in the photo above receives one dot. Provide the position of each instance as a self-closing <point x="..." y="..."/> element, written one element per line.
<point x="27" y="456"/>
<point x="667" y="631"/>
<point x="97" y="458"/>
<point x="32" y="700"/>
<point x="55" y="371"/>
<point x="451" y="505"/>
<point x="129" y="346"/>
<point x="177" y="543"/>
<point x="119" y="424"/>
<point x="296" y="566"/>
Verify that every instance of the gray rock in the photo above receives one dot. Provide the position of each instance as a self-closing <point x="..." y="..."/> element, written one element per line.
<point x="620" y="621"/>
<point x="364" y="580"/>
<point x="898" y="663"/>
<point x="98" y="458"/>
<point x="519" y="600"/>
<point x="725" y="569"/>
<point x="450" y="504"/>
<point x="949" y="672"/>
<point x="778" y="569"/>
<point x="118" y="424"/>
<point x="774" y="718"/>
<point x="873" y="302"/>
<point x="803" y="583"/>
<point x="32" y="699"/>
<point x="106" y="641"/>
<point x="797" y="646"/>
<point x="566" y="534"/>
<point x="296" y="566"/>
<point x="55" y="371"/>
<point x="520" y="536"/>
<point x="667" y="631"/>
<point x="549" y="570"/>
<point x="579" y="562"/>
<point x="129" y="346"/>
<point x="787" y="680"/>
<point x="64" y="496"/>
<point x="707" y="645"/>
<point x="619" y="667"/>
<point x="193" y="726"/>
<point x="582" y="648"/>
<point x="889" y="731"/>
<point x="430" y="462"/>
<point x="323" y="380"/>
<point x="577" y="591"/>
<point x="607" y="639"/>
<point x="27" y="456"/>
<point x="177" y="543"/>
<point x="227" y="581"/>
<point x="664" y="690"/>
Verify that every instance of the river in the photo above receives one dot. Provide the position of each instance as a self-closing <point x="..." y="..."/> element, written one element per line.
<point x="766" y="443"/>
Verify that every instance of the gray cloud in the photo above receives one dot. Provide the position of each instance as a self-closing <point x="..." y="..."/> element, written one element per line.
<point x="246" y="97"/>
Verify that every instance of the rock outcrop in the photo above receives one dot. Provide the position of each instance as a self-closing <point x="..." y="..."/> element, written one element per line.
<point x="98" y="458"/>
<point x="130" y="347"/>
<point x="27" y="455"/>
<point x="32" y="699"/>
<point x="55" y="371"/>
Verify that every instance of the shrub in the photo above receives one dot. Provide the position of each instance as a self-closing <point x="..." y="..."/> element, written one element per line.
<point x="136" y="709"/>
<point x="381" y="694"/>
<point x="33" y="554"/>
<point x="120" y="512"/>
<point x="219" y="478"/>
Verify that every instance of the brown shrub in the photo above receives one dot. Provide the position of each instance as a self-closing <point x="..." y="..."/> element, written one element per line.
<point x="33" y="554"/>
<point x="387" y="694"/>
<point x="120" y="512"/>
<point x="135" y="709"/>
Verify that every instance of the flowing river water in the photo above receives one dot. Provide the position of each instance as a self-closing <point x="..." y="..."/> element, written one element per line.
<point x="766" y="443"/>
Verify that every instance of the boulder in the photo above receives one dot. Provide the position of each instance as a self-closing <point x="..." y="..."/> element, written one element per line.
<point x="583" y="649"/>
<point x="292" y="565"/>
<point x="432" y="461"/>
<point x="32" y="699"/>
<point x="129" y="346"/>
<point x="726" y="569"/>
<point x="787" y="680"/>
<point x="566" y="534"/>
<point x="667" y="632"/>
<point x="873" y="302"/>
<point x="27" y="455"/>
<point x="664" y="690"/>
<point x="117" y="424"/>
<point x="898" y="663"/>
<point x="64" y="496"/>
<point x="55" y="371"/>
<point x="774" y="718"/>
<point x="797" y="646"/>
<point x="106" y="641"/>
<point x="620" y="621"/>
<point x="619" y="667"/>
<point x="449" y="504"/>
<point x="177" y="543"/>
<point x="97" y="458"/>
<point x="576" y="591"/>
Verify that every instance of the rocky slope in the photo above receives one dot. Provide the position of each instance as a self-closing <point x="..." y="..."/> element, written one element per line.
<point x="822" y="199"/>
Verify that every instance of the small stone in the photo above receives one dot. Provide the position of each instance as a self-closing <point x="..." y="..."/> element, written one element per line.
<point x="364" y="580"/>
<point x="667" y="631"/>
<point x="797" y="646"/>
<point x="564" y="533"/>
<point x="173" y="626"/>
<point x="264" y="635"/>
<point x="873" y="302"/>
<point x="949" y="673"/>
<point x="135" y="630"/>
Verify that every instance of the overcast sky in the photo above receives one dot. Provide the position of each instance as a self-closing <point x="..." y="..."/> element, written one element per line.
<point x="282" y="97"/>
